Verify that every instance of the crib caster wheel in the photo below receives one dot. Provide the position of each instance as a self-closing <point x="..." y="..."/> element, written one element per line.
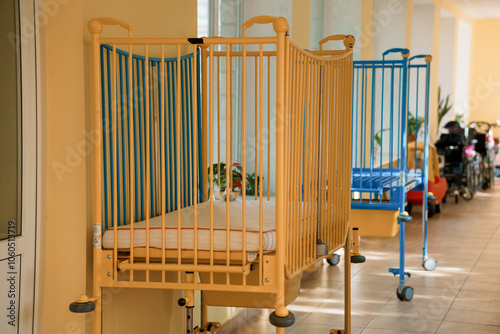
<point x="358" y="259"/>
<point x="409" y="208"/>
<point x="429" y="264"/>
<point x="182" y="302"/>
<point x="431" y="209"/>
<point x="334" y="260"/>
<point x="82" y="305"/>
<point x="405" y="295"/>
<point x="283" y="322"/>
<point x="438" y="208"/>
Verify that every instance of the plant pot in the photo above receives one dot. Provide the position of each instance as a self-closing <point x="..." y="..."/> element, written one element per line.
<point x="411" y="138"/>
<point x="233" y="195"/>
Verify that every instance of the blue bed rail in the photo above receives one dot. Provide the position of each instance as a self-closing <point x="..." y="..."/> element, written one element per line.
<point x="119" y="134"/>
<point x="379" y="166"/>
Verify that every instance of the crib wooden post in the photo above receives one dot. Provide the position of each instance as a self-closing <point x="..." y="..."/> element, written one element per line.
<point x="95" y="28"/>
<point x="281" y="27"/>
<point x="347" y="284"/>
<point x="204" y="121"/>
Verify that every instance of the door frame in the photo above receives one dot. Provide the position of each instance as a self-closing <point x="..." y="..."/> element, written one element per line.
<point x="27" y="244"/>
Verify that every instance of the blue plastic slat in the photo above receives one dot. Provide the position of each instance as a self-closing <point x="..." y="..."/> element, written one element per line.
<point x="105" y="160"/>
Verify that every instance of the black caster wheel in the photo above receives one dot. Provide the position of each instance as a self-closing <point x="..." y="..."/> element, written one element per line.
<point x="277" y="321"/>
<point x="82" y="307"/>
<point x="429" y="264"/>
<point x="406" y="295"/>
<point x="456" y="199"/>
<point x="334" y="260"/>
<point x="358" y="259"/>
<point x="438" y="208"/>
<point x="408" y="208"/>
<point x="431" y="209"/>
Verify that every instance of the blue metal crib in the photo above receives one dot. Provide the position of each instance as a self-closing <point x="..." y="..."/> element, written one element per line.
<point x="387" y="102"/>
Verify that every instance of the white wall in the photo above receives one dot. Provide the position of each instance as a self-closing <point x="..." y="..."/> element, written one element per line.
<point x="423" y="29"/>
<point x="446" y="58"/>
<point x="343" y="17"/>
<point x="463" y="68"/>
<point x="389" y="26"/>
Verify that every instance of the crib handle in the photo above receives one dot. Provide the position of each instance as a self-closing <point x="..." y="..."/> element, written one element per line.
<point x="108" y="21"/>
<point x="349" y="40"/>
<point x="404" y="52"/>
<point x="428" y="58"/>
<point x="280" y="24"/>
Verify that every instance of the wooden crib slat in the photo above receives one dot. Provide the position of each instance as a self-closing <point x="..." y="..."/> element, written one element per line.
<point x="162" y="115"/>
<point x="261" y="148"/>
<point x="178" y="148"/>
<point x="229" y="59"/>
<point x="147" y="124"/>
<point x="256" y="131"/>
<point x="315" y="225"/>
<point x="211" y="165"/>
<point x="131" y="141"/>
<point x="243" y="157"/>
<point x="269" y="128"/>
<point x="115" y="158"/>
<point x="229" y="166"/>
<point x="194" y="79"/>
<point x="218" y="124"/>
<point x="305" y="181"/>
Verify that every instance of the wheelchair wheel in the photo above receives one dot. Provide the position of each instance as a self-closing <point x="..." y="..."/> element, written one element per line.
<point x="466" y="194"/>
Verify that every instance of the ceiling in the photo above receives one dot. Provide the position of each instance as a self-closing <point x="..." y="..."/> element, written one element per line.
<point x="481" y="9"/>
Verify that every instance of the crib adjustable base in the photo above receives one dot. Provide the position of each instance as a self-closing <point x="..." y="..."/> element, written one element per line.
<point x="337" y="331"/>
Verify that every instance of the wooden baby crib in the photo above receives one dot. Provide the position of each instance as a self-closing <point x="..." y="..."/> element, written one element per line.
<point x="172" y="123"/>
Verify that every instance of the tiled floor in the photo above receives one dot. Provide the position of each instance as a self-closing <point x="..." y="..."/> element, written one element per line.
<point x="461" y="296"/>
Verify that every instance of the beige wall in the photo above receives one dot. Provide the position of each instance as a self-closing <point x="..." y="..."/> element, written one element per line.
<point x="65" y="194"/>
<point x="485" y="71"/>
<point x="66" y="242"/>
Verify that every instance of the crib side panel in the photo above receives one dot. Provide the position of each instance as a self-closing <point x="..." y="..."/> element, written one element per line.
<point x="318" y="137"/>
<point x="133" y="136"/>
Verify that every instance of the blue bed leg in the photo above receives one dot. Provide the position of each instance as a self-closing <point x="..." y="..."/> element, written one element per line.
<point x="404" y="293"/>
<point x="428" y="263"/>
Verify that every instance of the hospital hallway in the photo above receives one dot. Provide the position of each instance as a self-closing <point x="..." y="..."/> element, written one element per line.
<point x="462" y="295"/>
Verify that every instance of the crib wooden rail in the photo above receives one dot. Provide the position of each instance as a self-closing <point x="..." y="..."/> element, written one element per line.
<point x="184" y="125"/>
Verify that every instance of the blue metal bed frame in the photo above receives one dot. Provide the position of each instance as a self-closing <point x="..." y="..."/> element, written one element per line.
<point x="428" y="263"/>
<point x="380" y="180"/>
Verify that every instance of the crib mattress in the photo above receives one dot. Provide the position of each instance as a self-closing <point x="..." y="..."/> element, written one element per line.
<point x="203" y="218"/>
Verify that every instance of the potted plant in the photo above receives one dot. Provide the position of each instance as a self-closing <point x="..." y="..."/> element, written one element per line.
<point x="414" y="126"/>
<point x="221" y="184"/>
<point x="444" y="106"/>
<point x="378" y="141"/>
<point x="252" y="184"/>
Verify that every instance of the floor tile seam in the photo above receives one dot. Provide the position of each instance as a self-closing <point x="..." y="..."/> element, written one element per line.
<point x="470" y="273"/>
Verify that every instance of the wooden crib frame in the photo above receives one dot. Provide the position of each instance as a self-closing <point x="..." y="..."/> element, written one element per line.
<point x="312" y="150"/>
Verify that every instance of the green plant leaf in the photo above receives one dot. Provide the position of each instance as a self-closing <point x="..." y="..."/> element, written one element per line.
<point x="444" y="106"/>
